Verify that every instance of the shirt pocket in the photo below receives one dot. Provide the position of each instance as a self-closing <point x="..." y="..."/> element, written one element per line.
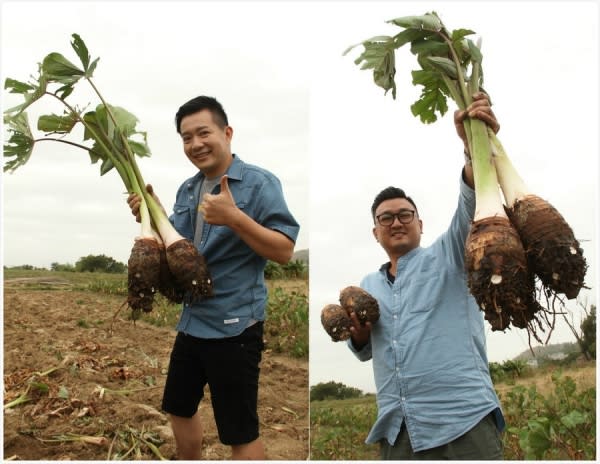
<point x="426" y="291"/>
<point x="225" y="231"/>
<point x="182" y="220"/>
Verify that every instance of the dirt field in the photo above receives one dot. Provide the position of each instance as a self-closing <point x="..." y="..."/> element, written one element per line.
<point x="95" y="395"/>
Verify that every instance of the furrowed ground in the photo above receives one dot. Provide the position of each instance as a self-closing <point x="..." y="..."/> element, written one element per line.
<point x="91" y="386"/>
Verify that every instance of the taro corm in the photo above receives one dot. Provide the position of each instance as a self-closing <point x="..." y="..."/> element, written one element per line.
<point x="161" y="259"/>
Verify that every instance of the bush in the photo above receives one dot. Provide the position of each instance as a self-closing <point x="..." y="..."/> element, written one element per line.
<point x="333" y="391"/>
<point x="99" y="263"/>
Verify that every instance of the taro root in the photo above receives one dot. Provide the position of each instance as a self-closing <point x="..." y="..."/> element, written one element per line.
<point x="497" y="274"/>
<point x="143" y="275"/>
<point x="189" y="270"/>
<point x="336" y="322"/>
<point x="552" y="250"/>
<point x="168" y="287"/>
<point x="356" y="300"/>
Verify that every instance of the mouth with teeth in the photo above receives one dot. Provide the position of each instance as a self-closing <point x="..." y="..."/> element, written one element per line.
<point x="201" y="155"/>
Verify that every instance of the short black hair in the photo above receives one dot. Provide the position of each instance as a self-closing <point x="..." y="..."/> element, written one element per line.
<point x="202" y="103"/>
<point x="387" y="194"/>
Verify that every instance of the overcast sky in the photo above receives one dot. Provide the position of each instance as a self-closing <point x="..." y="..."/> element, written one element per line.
<point x="302" y="110"/>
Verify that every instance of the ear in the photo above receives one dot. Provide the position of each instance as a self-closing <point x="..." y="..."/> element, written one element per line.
<point x="229" y="132"/>
<point x="375" y="234"/>
<point x="421" y="225"/>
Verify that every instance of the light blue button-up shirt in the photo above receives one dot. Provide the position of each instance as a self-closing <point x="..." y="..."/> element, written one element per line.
<point x="237" y="272"/>
<point x="428" y="347"/>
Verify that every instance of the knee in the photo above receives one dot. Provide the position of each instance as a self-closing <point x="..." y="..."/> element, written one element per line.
<point x="188" y="436"/>
<point x="248" y="451"/>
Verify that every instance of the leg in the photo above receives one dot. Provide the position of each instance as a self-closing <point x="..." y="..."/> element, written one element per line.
<point x="249" y="451"/>
<point x="233" y="379"/>
<point x="184" y="389"/>
<point x="188" y="436"/>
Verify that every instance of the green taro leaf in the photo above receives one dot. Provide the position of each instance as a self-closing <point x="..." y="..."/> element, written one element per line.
<point x="460" y="34"/>
<point x="474" y="51"/>
<point x="444" y="65"/>
<point x="58" y="69"/>
<point x="125" y="121"/>
<point x="428" y="22"/>
<point x="429" y="46"/>
<point x="106" y="166"/>
<point x="82" y="52"/>
<point x="30" y="92"/>
<point x="432" y="99"/>
<point x="16" y="86"/>
<point x="139" y="148"/>
<point x="55" y="124"/>
<point x="96" y="153"/>
<point x="410" y="35"/>
<point x="379" y="56"/>
<point x="20" y="143"/>
<point x="378" y="39"/>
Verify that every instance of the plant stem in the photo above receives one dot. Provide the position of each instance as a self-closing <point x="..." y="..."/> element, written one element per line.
<point x="512" y="184"/>
<point x="487" y="195"/>
<point x="116" y="162"/>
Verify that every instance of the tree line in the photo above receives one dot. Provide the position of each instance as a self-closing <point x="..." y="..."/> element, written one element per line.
<point x="296" y="269"/>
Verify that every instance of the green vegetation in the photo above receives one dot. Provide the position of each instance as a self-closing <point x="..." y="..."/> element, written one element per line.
<point x="333" y="391"/>
<point x="99" y="263"/>
<point x="338" y="429"/>
<point x="550" y="414"/>
<point x="286" y="326"/>
<point x="296" y="269"/>
<point x="559" y="425"/>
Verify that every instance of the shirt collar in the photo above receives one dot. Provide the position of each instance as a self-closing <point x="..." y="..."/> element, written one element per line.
<point x="385" y="266"/>
<point x="234" y="171"/>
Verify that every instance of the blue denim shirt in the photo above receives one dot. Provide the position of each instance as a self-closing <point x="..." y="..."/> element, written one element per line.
<point x="428" y="347"/>
<point x="237" y="271"/>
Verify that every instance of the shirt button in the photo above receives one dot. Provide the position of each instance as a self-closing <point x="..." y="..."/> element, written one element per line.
<point x="403" y="398"/>
<point x="395" y="317"/>
<point x="191" y="197"/>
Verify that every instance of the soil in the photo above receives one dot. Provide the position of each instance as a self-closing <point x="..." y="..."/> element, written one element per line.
<point x="94" y="391"/>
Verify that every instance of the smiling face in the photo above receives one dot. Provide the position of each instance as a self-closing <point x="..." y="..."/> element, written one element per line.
<point x="397" y="239"/>
<point x="206" y="144"/>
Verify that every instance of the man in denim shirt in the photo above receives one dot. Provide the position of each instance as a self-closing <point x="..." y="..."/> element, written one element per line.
<point x="237" y="216"/>
<point x="435" y="396"/>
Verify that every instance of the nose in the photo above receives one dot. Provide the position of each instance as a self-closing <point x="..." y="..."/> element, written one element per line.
<point x="396" y="220"/>
<point x="197" y="143"/>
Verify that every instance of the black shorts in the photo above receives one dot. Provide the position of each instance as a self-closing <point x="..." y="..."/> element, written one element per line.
<point x="230" y="366"/>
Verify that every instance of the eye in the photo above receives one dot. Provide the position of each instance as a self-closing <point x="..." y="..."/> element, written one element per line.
<point x="385" y="218"/>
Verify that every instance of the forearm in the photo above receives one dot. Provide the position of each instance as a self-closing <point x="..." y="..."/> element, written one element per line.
<point x="468" y="171"/>
<point x="268" y="243"/>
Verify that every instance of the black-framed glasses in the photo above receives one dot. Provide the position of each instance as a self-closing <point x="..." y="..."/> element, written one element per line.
<point x="405" y="216"/>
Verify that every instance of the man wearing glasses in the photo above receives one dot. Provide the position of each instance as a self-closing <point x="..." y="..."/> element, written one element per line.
<point x="435" y="397"/>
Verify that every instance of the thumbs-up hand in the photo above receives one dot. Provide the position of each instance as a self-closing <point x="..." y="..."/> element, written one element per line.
<point x="219" y="209"/>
